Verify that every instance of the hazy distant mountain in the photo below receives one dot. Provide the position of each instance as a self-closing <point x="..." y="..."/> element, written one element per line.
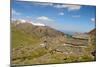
<point x="80" y="35"/>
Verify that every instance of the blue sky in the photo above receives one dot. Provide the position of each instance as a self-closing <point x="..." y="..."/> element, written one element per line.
<point x="64" y="17"/>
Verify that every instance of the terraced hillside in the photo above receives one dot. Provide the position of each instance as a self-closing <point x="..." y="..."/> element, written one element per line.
<point x="42" y="45"/>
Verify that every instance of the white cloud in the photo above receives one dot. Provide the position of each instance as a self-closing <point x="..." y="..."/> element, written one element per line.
<point x="69" y="7"/>
<point x="74" y="7"/>
<point x="60" y="6"/>
<point x="61" y="13"/>
<point x="22" y="20"/>
<point x="76" y="16"/>
<point x="93" y="19"/>
<point x="15" y="12"/>
<point x="44" y="18"/>
<point x="44" y="4"/>
<point x="38" y="24"/>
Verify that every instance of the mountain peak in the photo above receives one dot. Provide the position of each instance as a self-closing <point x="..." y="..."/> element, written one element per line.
<point x="33" y="23"/>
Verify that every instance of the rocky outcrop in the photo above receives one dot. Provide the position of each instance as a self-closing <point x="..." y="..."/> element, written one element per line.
<point x="92" y="37"/>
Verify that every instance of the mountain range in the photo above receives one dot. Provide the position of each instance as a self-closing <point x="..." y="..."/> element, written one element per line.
<point x="36" y="43"/>
<point x="36" y="30"/>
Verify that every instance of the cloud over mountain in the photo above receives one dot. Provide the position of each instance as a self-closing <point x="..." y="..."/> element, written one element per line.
<point x="44" y="18"/>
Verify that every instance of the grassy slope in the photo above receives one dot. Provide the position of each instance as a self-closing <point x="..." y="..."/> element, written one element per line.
<point x="21" y="38"/>
<point x="29" y="56"/>
<point x="25" y="44"/>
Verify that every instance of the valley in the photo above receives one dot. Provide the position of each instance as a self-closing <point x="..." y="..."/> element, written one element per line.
<point x="33" y="44"/>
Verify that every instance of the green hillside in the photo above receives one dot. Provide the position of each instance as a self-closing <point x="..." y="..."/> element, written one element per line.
<point x="28" y="47"/>
<point x="21" y="38"/>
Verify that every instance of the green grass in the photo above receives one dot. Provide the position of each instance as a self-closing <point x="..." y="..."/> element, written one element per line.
<point x="20" y="38"/>
<point x="73" y="58"/>
<point x="27" y="54"/>
<point x="37" y="53"/>
<point x="27" y="42"/>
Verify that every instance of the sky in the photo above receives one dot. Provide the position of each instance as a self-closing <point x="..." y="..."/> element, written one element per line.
<point x="63" y="17"/>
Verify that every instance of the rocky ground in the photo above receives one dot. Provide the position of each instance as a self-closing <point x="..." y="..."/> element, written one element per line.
<point x="44" y="45"/>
